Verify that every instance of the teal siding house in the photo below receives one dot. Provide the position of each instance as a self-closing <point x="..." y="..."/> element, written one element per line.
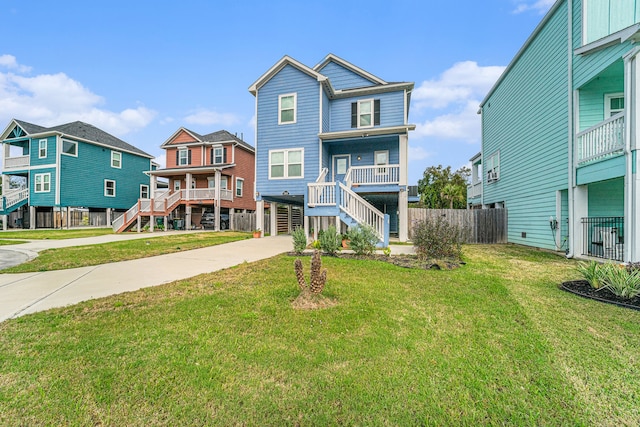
<point x="560" y="133"/>
<point x="47" y="173"/>
<point x="331" y="145"/>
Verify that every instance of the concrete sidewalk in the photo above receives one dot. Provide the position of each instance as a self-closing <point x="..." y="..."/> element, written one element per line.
<point x="31" y="292"/>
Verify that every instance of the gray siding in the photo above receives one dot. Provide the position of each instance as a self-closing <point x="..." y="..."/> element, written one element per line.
<point x="526" y="120"/>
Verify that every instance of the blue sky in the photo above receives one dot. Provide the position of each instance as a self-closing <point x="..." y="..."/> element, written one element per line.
<point x="142" y="69"/>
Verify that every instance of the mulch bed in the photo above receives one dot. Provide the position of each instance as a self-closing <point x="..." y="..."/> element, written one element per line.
<point x="406" y="261"/>
<point x="584" y="289"/>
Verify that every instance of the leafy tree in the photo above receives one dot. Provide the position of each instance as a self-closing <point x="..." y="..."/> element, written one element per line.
<point x="440" y="188"/>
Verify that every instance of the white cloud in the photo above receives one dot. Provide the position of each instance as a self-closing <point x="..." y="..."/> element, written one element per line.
<point x="459" y="83"/>
<point x="463" y="124"/>
<point x="53" y="99"/>
<point x="10" y="62"/>
<point x="209" y="117"/>
<point x="540" y="6"/>
<point x="418" y="153"/>
<point x="161" y="159"/>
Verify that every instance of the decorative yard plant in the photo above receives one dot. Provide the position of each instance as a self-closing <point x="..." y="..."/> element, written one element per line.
<point x="363" y="239"/>
<point x="299" y="240"/>
<point x="330" y="240"/>
<point x="310" y="297"/>
<point x="438" y="239"/>
<point x="622" y="281"/>
<point x="591" y="272"/>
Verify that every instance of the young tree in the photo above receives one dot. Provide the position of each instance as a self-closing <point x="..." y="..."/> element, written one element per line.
<point x="440" y="188"/>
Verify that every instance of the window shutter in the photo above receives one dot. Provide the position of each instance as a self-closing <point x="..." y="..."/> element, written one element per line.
<point x="224" y="155"/>
<point x="354" y="114"/>
<point x="376" y="112"/>
<point x="177" y="157"/>
<point x="189" y="158"/>
<point x="212" y="150"/>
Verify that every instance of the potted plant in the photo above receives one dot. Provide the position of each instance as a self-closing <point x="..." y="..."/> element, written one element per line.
<point x="345" y="240"/>
<point x="256" y="233"/>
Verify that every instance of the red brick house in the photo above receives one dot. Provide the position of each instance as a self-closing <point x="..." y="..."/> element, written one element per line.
<point x="210" y="176"/>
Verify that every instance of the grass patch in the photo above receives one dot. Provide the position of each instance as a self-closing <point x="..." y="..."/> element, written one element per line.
<point x="55" y="234"/>
<point x="82" y="256"/>
<point x="11" y="242"/>
<point x="494" y="342"/>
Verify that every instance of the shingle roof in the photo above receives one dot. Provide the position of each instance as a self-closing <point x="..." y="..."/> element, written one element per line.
<point x="87" y="132"/>
<point x="222" y="136"/>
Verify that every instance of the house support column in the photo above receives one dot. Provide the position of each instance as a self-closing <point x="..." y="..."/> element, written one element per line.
<point x="274" y="219"/>
<point x="152" y="223"/>
<point x="108" y="213"/>
<point x="68" y="217"/>
<point x="216" y="206"/>
<point x="138" y="224"/>
<point x="5" y="219"/>
<point x="153" y="187"/>
<point x="232" y="212"/>
<point x="32" y="217"/>
<point x="260" y="216"/>
<point x="306" y="227"/>
<point x="187" y="220"/>
<point x="580" y="210"/>
<point x="403" y="196"/>
<point x="316" y="224"/>
<point x="632" y="178"/>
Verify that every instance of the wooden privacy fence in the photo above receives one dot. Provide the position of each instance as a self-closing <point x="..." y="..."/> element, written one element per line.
<point x="482" y="225"/>
<point x="247" y="222"/>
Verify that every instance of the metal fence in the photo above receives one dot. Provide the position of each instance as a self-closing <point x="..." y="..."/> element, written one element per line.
<point x="482" y="225"/>
<point x="603" y="237"/>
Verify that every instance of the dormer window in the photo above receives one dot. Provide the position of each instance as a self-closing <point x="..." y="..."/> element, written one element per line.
<point x="365" y="113"/>
<point x="287" y="108"/>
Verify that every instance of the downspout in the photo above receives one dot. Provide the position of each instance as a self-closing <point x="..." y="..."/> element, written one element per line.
<point x="571" y="132"/>
<point x="630" y="70"/>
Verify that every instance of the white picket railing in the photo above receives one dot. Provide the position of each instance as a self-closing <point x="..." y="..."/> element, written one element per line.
<point x="474" y="190"/>
<point x="373" y="175"/>
<point x="322" y="194"/>
<point x="122" y="219"/>
<point x="361" y="210"/>
<point x="16" y="162"/>
<point x="602" y="140"/>
<point x="14" y="197"/>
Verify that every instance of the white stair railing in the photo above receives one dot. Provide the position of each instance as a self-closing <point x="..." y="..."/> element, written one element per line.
<point x="361" y="210"/>
<point x="14" y="197"/>
<point x="119" y="222"/>
<point x="322" y="194"/>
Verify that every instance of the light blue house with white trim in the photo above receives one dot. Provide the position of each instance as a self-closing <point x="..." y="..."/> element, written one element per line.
<point x="560" y="133"/>
<point x="74" y="166"/>
<point x="332" y="142"/>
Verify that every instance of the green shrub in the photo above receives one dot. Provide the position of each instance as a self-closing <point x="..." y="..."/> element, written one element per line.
<point x="591" y="272"/>
<point x="330" y="241"/>
<point x="299" y="240"/>
<point x="438" y="239"/>
<point x="363" y="239"/>
<point x="622" y="282"/>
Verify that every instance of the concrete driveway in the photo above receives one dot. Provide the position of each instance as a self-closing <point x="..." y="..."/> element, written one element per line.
<point x="26" y="293"/>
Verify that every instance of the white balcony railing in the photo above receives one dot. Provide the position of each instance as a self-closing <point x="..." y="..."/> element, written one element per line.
<point x="474" y="190"/>
<point x="602" y="140"/>
<point x="16" y="162"/>
<point x="373" y="175"/>
<point x="207" y="194"/>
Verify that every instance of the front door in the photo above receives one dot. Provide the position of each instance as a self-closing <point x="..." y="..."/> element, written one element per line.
<point x="340" y="167"/>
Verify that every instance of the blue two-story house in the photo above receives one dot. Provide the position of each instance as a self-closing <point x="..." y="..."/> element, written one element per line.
<point x="50" y="173"/>
<point x="332" y="140"/>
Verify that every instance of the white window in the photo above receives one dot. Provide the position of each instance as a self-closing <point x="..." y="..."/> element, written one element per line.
<point x="43" y="182"/>
<point x="287" y="108"/>
<point x="492" y="167"/>
<point x="223" y="182"/>
<point x="212" y="181"/>
<point x="381" y="158"/>
<point x="176" y="185"/>
<point x="239" y="185"/>
<point x="218" y="155"/>
<point x="69" y="148"/>
<point x="42" y="148"/>
<point x="144" y="191"/>
<point x="116" y="159"/>
<point x="109" y="188"/>
<point x="286" y="164"/>
<point x="183" y="157"/>
<point x="613" y="104"/>
<point x="365" y="113"/>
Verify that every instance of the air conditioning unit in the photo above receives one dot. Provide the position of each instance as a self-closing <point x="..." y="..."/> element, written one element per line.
<point x="492" y="176"/>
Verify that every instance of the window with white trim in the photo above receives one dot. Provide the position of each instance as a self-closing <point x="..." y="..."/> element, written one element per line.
<point x="223" y="182"/>
<point x="492" y="167"/>
<point x="286" y="164"/>
<point x="239" y="186"/>
<point x="176" y="185"/>
<point x="613" y="104"/>
<point x="218" y="155"/>
<point x="183" y="157"/>
<point x="42" y="148"/>
<point x="144" y="191"/>
<point x="287" y="104"/>
<point x="211" y="182"/>
<point x="365" y="113"/>
<point x="116" y="159"/>
<point x="109" y="188"/>
<point x="42" y="182"/>
<point x="69" y="148"/>
<point x="381" y="158"/>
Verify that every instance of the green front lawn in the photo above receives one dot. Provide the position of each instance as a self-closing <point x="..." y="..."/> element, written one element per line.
<point x="55" y="234"/>
<point x="494" y="342"/>
<point x="83" y="256"/>
<point x="11" y="242"/>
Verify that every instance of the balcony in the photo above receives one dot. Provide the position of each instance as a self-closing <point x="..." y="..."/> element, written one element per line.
<point x="604" y="140"/>
<point x="474" y="190"/>
<point x="16" y="162"/>
<point x="373" y="175"/>
<point x="206" y="194"/>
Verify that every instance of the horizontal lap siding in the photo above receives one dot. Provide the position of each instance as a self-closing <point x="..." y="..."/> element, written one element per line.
<point x="342" y="78"/>
<point x="366" y="150"/>
<point x="34" y="153"/>
<point x="42" y="199"/>
<point x="391" y="110"/>
<point x="244" y="169"/>
<point x="606" y="198"/>
<point x="82" y="178"/>
<point x="526" y="120"/>
<point x="302" y="134"/>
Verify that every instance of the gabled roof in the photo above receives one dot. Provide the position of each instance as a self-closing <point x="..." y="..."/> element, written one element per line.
<point x="78" y="130"/>
<point x="349" y="66"/>
<point x="217" y="137"/>
<point x="286" y="60"/>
